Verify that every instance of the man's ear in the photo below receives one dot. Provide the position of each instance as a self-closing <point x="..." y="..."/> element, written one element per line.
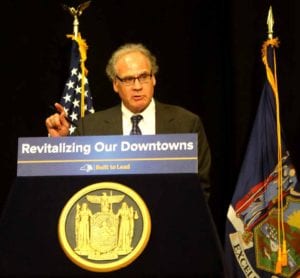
<point x="115" y="86"/>
<point x="153" y="80"/>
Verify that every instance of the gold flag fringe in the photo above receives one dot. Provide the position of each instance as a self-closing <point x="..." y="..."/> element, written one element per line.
<point x="83" y="56"/>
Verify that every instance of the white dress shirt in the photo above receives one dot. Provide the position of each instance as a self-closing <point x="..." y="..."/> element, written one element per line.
<point x="146" y="125"/>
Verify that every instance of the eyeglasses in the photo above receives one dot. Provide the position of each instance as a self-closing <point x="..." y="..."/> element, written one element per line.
<point x="130" y="80"/>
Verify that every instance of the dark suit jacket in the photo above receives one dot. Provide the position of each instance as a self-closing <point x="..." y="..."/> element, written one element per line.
<point x="169" y="119"/>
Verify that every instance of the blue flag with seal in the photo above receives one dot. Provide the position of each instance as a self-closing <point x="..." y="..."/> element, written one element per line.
<point x="262" y="237"/>
<point x="76" y="98"/>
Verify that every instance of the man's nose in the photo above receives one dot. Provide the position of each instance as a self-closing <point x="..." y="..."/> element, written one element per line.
<point x="137" y="84"/>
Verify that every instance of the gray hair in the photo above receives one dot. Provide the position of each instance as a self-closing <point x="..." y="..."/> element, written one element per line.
<point x="125" y="49"/>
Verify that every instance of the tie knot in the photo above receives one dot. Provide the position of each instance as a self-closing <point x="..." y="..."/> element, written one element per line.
<point x="135" y="119"/>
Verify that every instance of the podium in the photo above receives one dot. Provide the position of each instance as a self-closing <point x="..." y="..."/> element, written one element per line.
<point x="183" y="240"/>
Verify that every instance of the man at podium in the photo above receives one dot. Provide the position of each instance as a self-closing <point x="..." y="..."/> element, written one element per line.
<point x="132" y="69"/>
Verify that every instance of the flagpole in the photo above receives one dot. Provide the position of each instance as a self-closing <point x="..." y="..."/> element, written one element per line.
<point x="76" y="12"/>
<point x="282" y="251"/>
<point x="270" y="23"/>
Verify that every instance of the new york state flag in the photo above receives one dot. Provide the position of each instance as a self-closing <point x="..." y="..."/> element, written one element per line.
<point x="262" y="236"/>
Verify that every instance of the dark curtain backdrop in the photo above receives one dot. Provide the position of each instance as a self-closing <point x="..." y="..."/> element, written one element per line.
<point x="209" y="53"/>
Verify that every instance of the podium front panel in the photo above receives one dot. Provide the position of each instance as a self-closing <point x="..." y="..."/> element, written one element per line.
<point x="183" y="240"/>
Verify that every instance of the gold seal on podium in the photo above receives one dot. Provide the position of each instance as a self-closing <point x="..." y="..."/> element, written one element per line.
<point x="104" y="227"/>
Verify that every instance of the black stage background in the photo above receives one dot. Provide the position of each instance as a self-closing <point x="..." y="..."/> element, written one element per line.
<point x="209" y="53"/>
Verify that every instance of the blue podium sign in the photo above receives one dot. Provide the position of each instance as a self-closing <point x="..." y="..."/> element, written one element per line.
<point x="107" y="155"/>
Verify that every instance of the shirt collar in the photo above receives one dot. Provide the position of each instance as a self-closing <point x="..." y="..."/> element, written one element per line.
<point x="150" y="110"/>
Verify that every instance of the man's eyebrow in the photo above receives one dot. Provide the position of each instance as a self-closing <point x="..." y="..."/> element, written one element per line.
<point x="143" y="72"/>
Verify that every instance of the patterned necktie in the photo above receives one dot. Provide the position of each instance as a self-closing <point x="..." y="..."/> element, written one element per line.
<point x="135" y="128"/>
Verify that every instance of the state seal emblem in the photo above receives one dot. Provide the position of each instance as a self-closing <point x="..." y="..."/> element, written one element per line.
<point x="104" y="227"/>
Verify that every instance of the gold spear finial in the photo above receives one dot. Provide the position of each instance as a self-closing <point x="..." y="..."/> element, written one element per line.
<point x="270" y="23"/>
<point x="76" y="12"/>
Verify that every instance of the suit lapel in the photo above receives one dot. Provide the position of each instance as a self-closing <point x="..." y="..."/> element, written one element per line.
<point x="163" y="118"/>
<point x="113" y="121"/>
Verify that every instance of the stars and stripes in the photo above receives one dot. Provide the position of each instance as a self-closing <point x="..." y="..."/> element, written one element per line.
<point x="75" y="104"/>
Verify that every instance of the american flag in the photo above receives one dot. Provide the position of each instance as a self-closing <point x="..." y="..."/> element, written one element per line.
<point x="76" y="106"/>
